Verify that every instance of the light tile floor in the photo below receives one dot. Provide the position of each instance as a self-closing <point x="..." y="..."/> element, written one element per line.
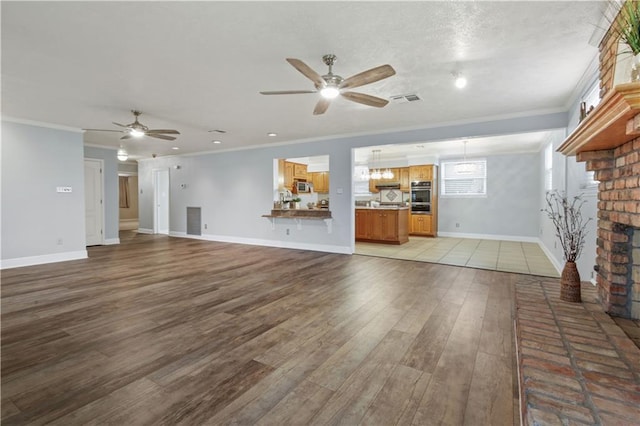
<point x="508" y="256"/>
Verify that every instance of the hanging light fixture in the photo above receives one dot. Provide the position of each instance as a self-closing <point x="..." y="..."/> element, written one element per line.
<point x="465" y="167"/>
<point x="387" y="174"/>
<point x="122" y="155"/>
<point x="375" y="173"/>
<point x="459" y="79"/>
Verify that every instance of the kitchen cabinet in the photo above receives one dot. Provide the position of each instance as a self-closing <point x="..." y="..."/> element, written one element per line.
<point x="405" y="182"/>
<point x="390" y="226"/>
<point x="288" y="175"/>
<point x="300" y="171"/>
<point x="421" y="224"/>
<point x="293" y="172"/>
<point x="418" y="173"/>
<point x="320" y="181"/>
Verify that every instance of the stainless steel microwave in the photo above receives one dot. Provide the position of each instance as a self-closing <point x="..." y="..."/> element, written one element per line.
<point x="304" y="187"/>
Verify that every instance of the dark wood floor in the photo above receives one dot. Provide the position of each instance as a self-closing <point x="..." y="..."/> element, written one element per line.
<point x="161" y="330"/>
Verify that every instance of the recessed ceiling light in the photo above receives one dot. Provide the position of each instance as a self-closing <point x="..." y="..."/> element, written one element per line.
<point x="175" y="147"/>
<point x="460" y="80"/>
<point x="272" y="134"/>
<point x="216" y="141"/>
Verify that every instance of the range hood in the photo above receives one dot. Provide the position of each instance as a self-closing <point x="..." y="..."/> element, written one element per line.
<point x="388" y="185"/>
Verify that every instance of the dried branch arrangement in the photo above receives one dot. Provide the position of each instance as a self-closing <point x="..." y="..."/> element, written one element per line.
<point x="570" y="225"/>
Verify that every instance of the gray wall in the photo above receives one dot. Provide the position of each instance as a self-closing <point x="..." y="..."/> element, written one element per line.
<point x="40" y="225"/>
<point x="110" y="199"/>
<point x="511" y="206"/>
<point x="234" y="189"/>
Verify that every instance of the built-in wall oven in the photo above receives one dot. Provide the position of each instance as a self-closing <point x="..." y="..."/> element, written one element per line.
<point x="421" y="197"/>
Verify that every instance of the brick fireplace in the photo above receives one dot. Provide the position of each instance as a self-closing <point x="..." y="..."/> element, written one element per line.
<point x="618" y="239"/>
<point x="608" y="140"/>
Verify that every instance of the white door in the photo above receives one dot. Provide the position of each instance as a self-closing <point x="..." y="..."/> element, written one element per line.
<point x="161" y="202"/>
<point x="93" y="201"/>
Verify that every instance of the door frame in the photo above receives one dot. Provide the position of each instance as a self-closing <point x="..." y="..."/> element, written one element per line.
<point x="100" y="162"/>
<point x="156" y="174"/>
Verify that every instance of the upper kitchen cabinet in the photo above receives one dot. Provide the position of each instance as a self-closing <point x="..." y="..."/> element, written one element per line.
<point x="405" y="182"/>
<point x="320" y="181"/>
<point x="292" y="172"/>
<point x="421" y="173"/>
<point x="288" y="175"/>
<point x="299" y="171"/>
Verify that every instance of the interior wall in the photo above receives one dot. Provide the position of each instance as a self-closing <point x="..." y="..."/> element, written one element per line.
<point x="110" y="196"/>
<point x="39" y="224"/>
<point x="235" y="188"/>
<point x="510" y="207"/>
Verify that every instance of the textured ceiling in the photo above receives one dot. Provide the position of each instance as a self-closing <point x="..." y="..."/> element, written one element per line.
<point x="197" y="66"/>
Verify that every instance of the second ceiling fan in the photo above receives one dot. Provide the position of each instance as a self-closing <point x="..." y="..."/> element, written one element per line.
<point x="332" y="85"/>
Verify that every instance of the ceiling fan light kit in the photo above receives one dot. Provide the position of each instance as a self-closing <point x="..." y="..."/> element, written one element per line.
<point x="122" y="155"/>
<point x="137" y="130"/>
<point x="332" y="85"/>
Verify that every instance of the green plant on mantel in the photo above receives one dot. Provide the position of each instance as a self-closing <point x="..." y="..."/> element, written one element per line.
<point x="627" y="25"/>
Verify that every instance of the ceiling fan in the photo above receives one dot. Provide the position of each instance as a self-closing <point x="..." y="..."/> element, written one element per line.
<point x="332" y="85"/>
<point x="137" y="129"/>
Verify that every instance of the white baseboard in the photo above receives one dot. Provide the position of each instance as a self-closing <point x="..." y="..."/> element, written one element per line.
<point x="266" y="243"/>
<point x="559" y="266"/>
<point x="42" y="259"/>
<point x="111" y="241"/>
<point x="520" y="239"/>
<point x="144" y="231"/>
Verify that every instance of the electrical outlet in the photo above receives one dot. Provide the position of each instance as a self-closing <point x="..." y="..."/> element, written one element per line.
<point x="59" y="241"/>
<point x="287" y="231"/>
<point x="555" y="244"/>
<point x="457" y="225"/>
<point x="205" y="226"/>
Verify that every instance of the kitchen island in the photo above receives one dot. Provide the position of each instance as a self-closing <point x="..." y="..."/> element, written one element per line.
<point x="387" y="225"/>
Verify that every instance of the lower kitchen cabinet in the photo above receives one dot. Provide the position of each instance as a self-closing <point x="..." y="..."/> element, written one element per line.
<point x="422" y="224"/>
<point x="389" y="226"/>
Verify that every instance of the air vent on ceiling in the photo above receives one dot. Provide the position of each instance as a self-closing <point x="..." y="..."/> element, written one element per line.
<point x="403" y="99"/>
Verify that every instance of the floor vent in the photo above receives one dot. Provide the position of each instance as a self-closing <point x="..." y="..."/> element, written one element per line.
<point x="403" y="99"/>
<point x="194" y="221"/>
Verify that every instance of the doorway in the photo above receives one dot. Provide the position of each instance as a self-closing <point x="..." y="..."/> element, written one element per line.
<point x="161" y="201"/>
<point x="93" y="211"/>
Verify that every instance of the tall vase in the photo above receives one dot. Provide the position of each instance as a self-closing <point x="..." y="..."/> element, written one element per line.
<point x="570" y="283"/>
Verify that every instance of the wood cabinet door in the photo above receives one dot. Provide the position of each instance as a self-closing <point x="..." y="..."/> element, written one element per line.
<point x="288" y="175"/>
<point x="405" y="182"/>
<point x="421" y="224"/>
<point x="389" y="226"/>
<point x="417" y="173"/>
<point x="362" y="224"/>
<point x="320" y="181"/>
<point x="299" y="171"/>
<point x="372" y="186"/>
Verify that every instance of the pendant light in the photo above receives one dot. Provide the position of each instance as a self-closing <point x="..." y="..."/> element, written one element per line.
<point x="122" y="155"/>
<point x="465" y="167"/>
<point x="375" y="173"/>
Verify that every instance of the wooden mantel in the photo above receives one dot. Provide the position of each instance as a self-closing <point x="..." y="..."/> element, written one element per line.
<point x="615" y="121"/>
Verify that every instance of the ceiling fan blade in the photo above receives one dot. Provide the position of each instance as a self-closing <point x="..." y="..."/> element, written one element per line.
<point x="369" y="76"/>
<point x="168" y="131"/>
<point x="102" y="130"/>
<point x="307" y="71"/>
<point x="361" y="98"/>
<point x="121" y="125"/>
<point x="321" y="106"/>
<point x="288" y="92"/>
<point x="167" y="138"/>
<point x="126" y="136"/>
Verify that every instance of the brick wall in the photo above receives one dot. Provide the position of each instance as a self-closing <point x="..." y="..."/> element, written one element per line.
<point x="618" y="239"/>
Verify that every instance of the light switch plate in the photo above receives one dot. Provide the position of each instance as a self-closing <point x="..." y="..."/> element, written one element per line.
<point x="63" y="189"/>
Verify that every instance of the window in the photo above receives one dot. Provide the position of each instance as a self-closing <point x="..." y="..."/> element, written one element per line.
<point x="464" y="178"/>
<point x="548" y="167"/>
